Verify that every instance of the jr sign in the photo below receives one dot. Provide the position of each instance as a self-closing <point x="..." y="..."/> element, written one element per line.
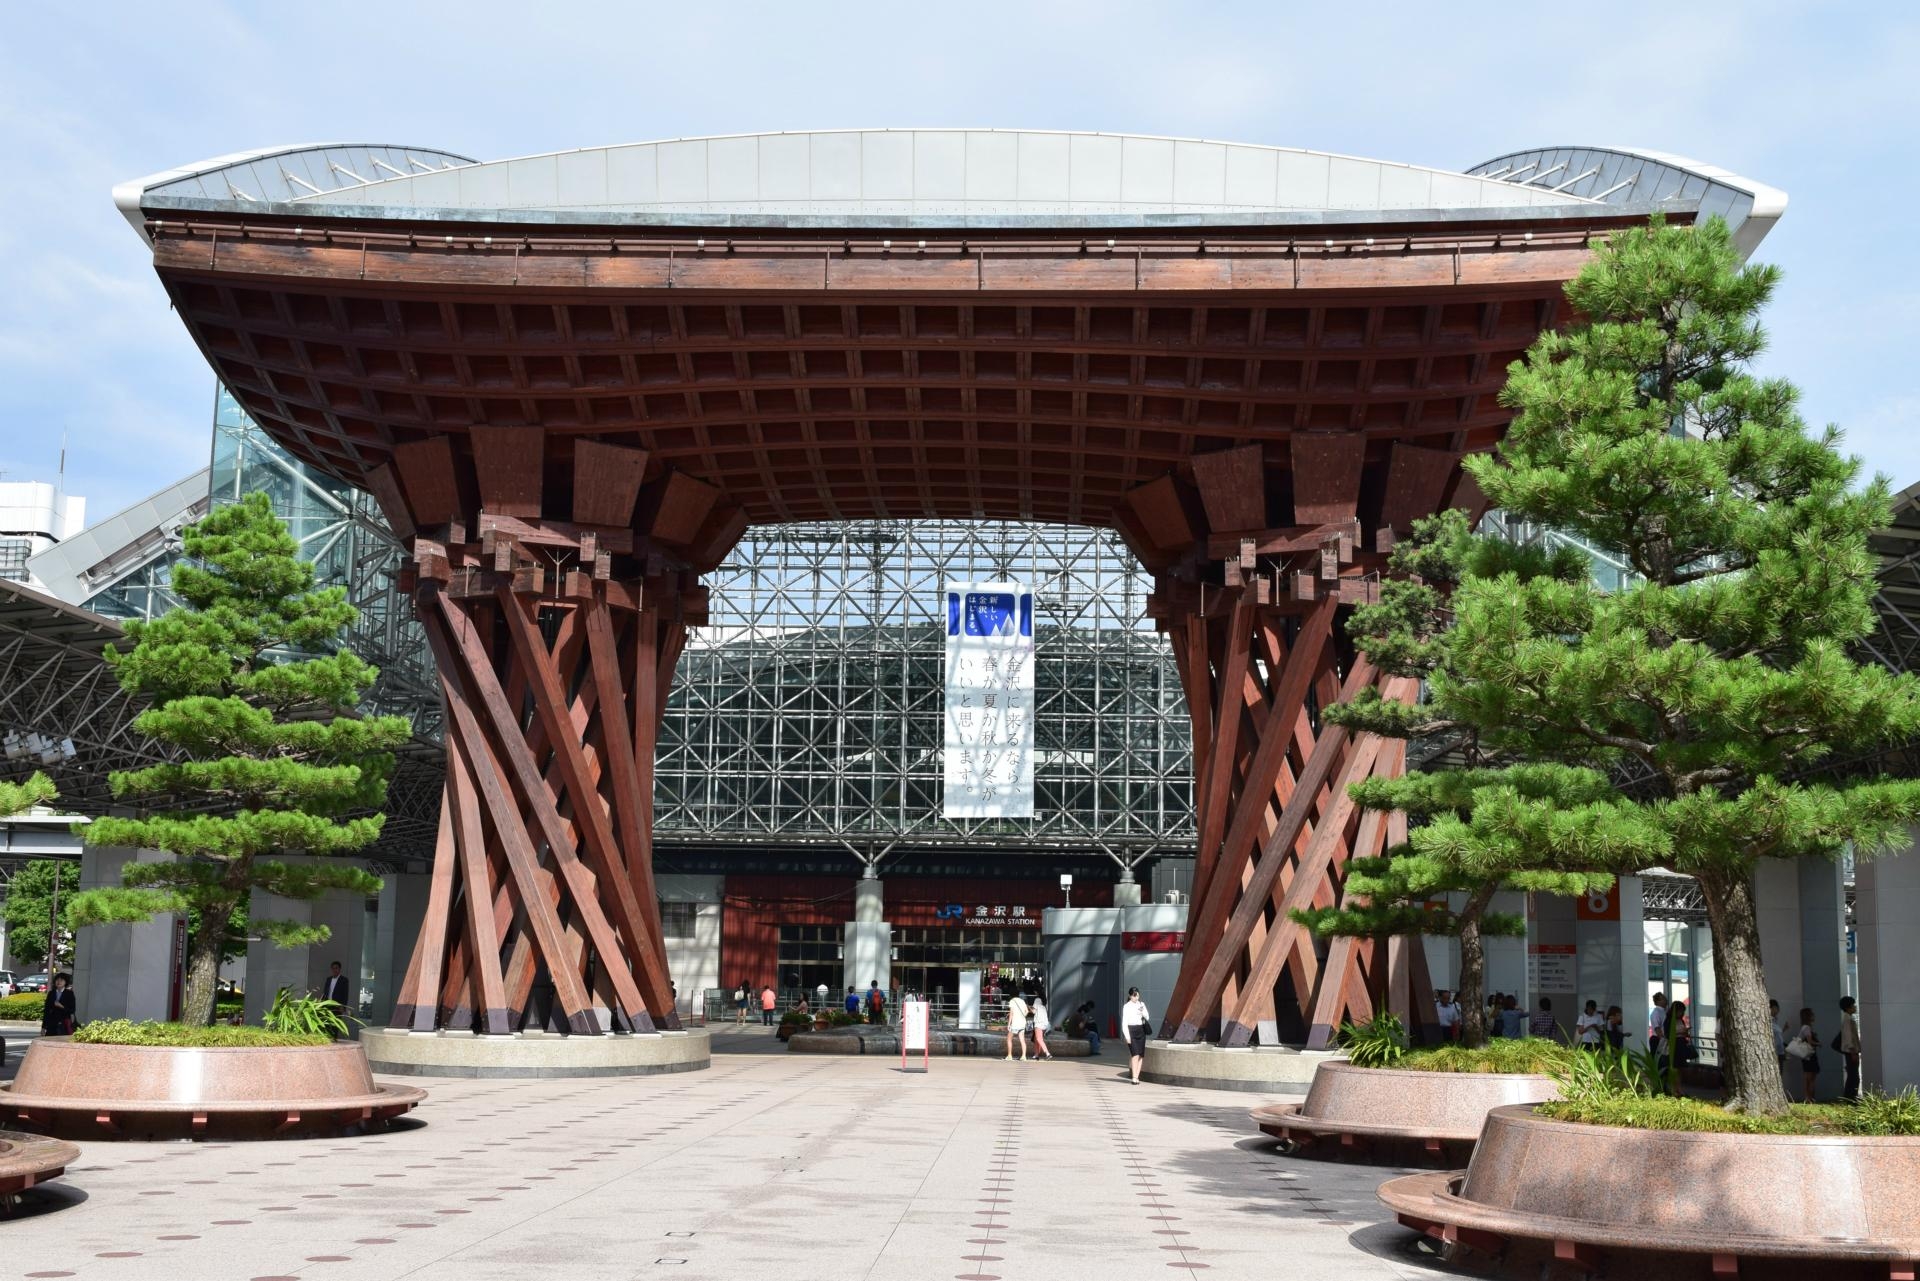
<point x="989" y="739"/>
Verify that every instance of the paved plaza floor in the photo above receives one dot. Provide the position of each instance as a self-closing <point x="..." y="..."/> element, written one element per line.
<point x="768" y="1166"/>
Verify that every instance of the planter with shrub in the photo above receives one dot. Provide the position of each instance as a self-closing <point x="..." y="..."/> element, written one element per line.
<point x="1388" y="1102"/>
<point x="119" y="1079"/>
<point x="1614" y="1167"/>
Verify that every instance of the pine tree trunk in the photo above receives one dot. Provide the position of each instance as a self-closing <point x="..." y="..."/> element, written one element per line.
<point x="1746" y="1041"/>
<point x="203" y="967"/>
<point x="1472" y="995"/>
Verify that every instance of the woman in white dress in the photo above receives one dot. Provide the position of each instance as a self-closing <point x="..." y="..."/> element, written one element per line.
<point x="1041" y="1026"/>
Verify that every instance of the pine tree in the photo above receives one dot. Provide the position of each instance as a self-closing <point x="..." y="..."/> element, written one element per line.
<point x="241" y="681"/>
<point x="1408" y="633"/>
<point x="1719" y="679"/>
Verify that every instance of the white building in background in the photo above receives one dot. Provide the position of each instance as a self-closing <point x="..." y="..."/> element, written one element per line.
<point x="34" y="517"/>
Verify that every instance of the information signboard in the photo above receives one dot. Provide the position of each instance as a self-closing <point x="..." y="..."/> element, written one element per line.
<point x="914" y="1032"/>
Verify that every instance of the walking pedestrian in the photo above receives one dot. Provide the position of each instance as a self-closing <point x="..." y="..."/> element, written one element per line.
<point x="1135" y="1024"/>
<point x="1041" y="1026"/>
<point x="57" y="1016"/>
<point x="1848" y="1043"/>
<point x="1590" y="1025"/>
<point x="1657" y="1021"/>
<point x="1446" y="1012"/>
<point x="1017" y="1013"/>
<point x="1810" y="1065"/>
<point x="740" y="1004"/>
<point x="767" y="1002"/>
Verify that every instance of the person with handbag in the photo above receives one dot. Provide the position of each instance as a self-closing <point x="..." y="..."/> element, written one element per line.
<point x="1135" y="1026"/>
<point x="57" y="1016"/>
<point x="1810" y="1061"/>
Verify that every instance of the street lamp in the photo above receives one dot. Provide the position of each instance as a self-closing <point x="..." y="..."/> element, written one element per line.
<point x="1066" y="886"/>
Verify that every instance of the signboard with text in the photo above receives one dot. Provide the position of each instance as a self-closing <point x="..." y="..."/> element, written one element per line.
<point x="989" y="734"/>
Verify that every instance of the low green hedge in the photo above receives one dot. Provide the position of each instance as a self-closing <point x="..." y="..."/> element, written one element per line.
<point x="1533" y="1054"/>
<point x="23" y="1005"/>
<point x="127" y="1032"/>
<point x="1874" y="1115"/>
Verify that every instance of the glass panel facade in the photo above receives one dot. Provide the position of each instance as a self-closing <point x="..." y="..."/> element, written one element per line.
<point x="811" y="708"/>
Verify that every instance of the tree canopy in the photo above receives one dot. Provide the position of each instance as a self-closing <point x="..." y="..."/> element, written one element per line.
<point x="244" y="682"/>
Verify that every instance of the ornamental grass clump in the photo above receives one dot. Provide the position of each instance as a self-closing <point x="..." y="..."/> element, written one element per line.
<point x="243" y="684"/>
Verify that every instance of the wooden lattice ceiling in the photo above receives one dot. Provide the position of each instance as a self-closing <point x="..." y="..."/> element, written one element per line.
<point x="815" y="379"/>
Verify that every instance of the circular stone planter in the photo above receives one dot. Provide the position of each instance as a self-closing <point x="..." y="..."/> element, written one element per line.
<point x="144" y="1091"/>
<point x="1385" y="1111"/>
<point x="1259" y="1069"/>
<point x="1600" y="1195"/>
<point x="27" y="1160"/>
<point x="534" y="1054"/>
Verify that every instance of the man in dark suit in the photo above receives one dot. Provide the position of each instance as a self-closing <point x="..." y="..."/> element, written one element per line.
<point x="333" y="989"/>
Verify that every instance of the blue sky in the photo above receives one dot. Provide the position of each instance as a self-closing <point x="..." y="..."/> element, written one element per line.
<point x="1820" y="100"/>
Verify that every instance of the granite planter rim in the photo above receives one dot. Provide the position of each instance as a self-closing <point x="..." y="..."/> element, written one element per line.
<point x="28" y="1160"/>
<point x="1437" y="1204"/>
<point x="137" y="1091"/>
<point x="1429" y="1108"/>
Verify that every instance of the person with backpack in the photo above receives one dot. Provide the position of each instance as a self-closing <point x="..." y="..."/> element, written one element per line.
<point x="876" y="1003"/>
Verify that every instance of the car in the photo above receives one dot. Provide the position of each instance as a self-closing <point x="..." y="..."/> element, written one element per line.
<point x="35" y="983"/>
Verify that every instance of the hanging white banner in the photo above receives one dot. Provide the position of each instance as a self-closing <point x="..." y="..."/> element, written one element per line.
<point x="989" y="742"/>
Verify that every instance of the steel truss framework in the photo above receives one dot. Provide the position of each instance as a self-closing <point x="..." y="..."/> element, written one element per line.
<point x="810" y="708"/>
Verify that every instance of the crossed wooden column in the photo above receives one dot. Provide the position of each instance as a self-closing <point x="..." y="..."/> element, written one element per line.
<point x="555" y="637"/>
<point x="1276" y="823"/>
<point x="1255" y="611"/>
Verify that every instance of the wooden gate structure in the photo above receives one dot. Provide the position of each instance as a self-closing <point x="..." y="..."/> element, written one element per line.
<point x="567" y="425"/>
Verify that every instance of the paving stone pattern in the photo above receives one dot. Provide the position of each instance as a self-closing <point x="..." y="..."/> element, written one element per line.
<point x="766" y="1166"/>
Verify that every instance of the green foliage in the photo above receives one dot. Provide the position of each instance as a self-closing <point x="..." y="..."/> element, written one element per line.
<point x="28" y="911"/>
<point x="1533" y="1055"/>
<point x="795" y="1019"/>
<point x="15" y="797"/>
<point x="304" y="1015"/>
<point x="1380" y="1042"/>
<point x="1872" y="1116"/>
<point x="1720" y="675"/>
<point x="1878" y="1113"/>
<point x="1591" y="1077"/>
<point x="242" y="681"/>
<point x="127" y="1032"/>
<point x="23" y="1005"/>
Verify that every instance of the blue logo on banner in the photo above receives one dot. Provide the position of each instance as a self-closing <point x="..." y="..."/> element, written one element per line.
<point x="953" y="613"/>
<point x="953" y="910"/>
<point x="990" y="613"/>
